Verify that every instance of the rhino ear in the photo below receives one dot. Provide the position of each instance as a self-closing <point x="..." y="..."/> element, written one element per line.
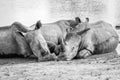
<point x="87" y="19"/>
<point x="38" y="25"/>
<point x="77" y="19"/>
<point x="81" y="32"/>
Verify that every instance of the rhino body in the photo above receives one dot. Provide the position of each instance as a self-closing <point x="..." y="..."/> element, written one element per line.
<point x="100" y="38"/>
<point x="12" y="42"/>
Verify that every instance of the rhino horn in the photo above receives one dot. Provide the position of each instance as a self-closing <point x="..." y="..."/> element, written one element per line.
<point x="81" y="32"/>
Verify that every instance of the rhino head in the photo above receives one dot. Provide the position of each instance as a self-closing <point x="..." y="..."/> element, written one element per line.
<point x="73" y="39"/>
<point x="36" y="41"/>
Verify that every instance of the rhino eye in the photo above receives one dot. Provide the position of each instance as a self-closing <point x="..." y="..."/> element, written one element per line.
<point x="72" y="48"/>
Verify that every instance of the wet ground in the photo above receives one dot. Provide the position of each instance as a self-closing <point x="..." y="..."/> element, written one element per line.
<point x="96" y="67"/>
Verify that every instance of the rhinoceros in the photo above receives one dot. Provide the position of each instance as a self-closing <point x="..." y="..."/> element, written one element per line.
<point x="55" y="32"/>
<point x="12" y="42"/>
<point x="38" y="44"/>
<point x="96" y="38"/>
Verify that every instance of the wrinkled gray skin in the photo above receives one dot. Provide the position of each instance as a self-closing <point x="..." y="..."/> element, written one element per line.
<point x="39" y="45"/>
<point x="99" y="38"/>
<point x="55" y="32"/>
<point x="12" y="42"/>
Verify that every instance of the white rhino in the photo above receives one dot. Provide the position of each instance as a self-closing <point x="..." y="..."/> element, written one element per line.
<point x="97" y="38"/>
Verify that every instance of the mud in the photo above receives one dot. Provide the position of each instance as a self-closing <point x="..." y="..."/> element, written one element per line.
<point x="96" y="67"/>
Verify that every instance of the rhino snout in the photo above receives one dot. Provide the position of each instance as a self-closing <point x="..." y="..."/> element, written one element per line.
<point x="70" y="52"/>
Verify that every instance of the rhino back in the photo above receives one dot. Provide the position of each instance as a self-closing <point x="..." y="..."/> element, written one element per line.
<point x="7" y="42"/>
<point x="51" y="32"/>
<point x="104" y="26"/>
<point x="103" y="31"/>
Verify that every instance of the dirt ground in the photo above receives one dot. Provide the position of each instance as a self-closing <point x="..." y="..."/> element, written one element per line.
<point x="96" y="67"/>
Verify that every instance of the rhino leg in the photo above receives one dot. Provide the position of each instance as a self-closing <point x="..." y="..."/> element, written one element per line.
<point x="52" y="47"/>
<point x="23" y="47"/>
<point x="58" y="49"/>
<point x="83" y="53"/>
<point x="87" y="51"/>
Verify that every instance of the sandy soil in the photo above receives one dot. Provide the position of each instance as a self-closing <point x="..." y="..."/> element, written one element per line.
<point x="97" y="67"/>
